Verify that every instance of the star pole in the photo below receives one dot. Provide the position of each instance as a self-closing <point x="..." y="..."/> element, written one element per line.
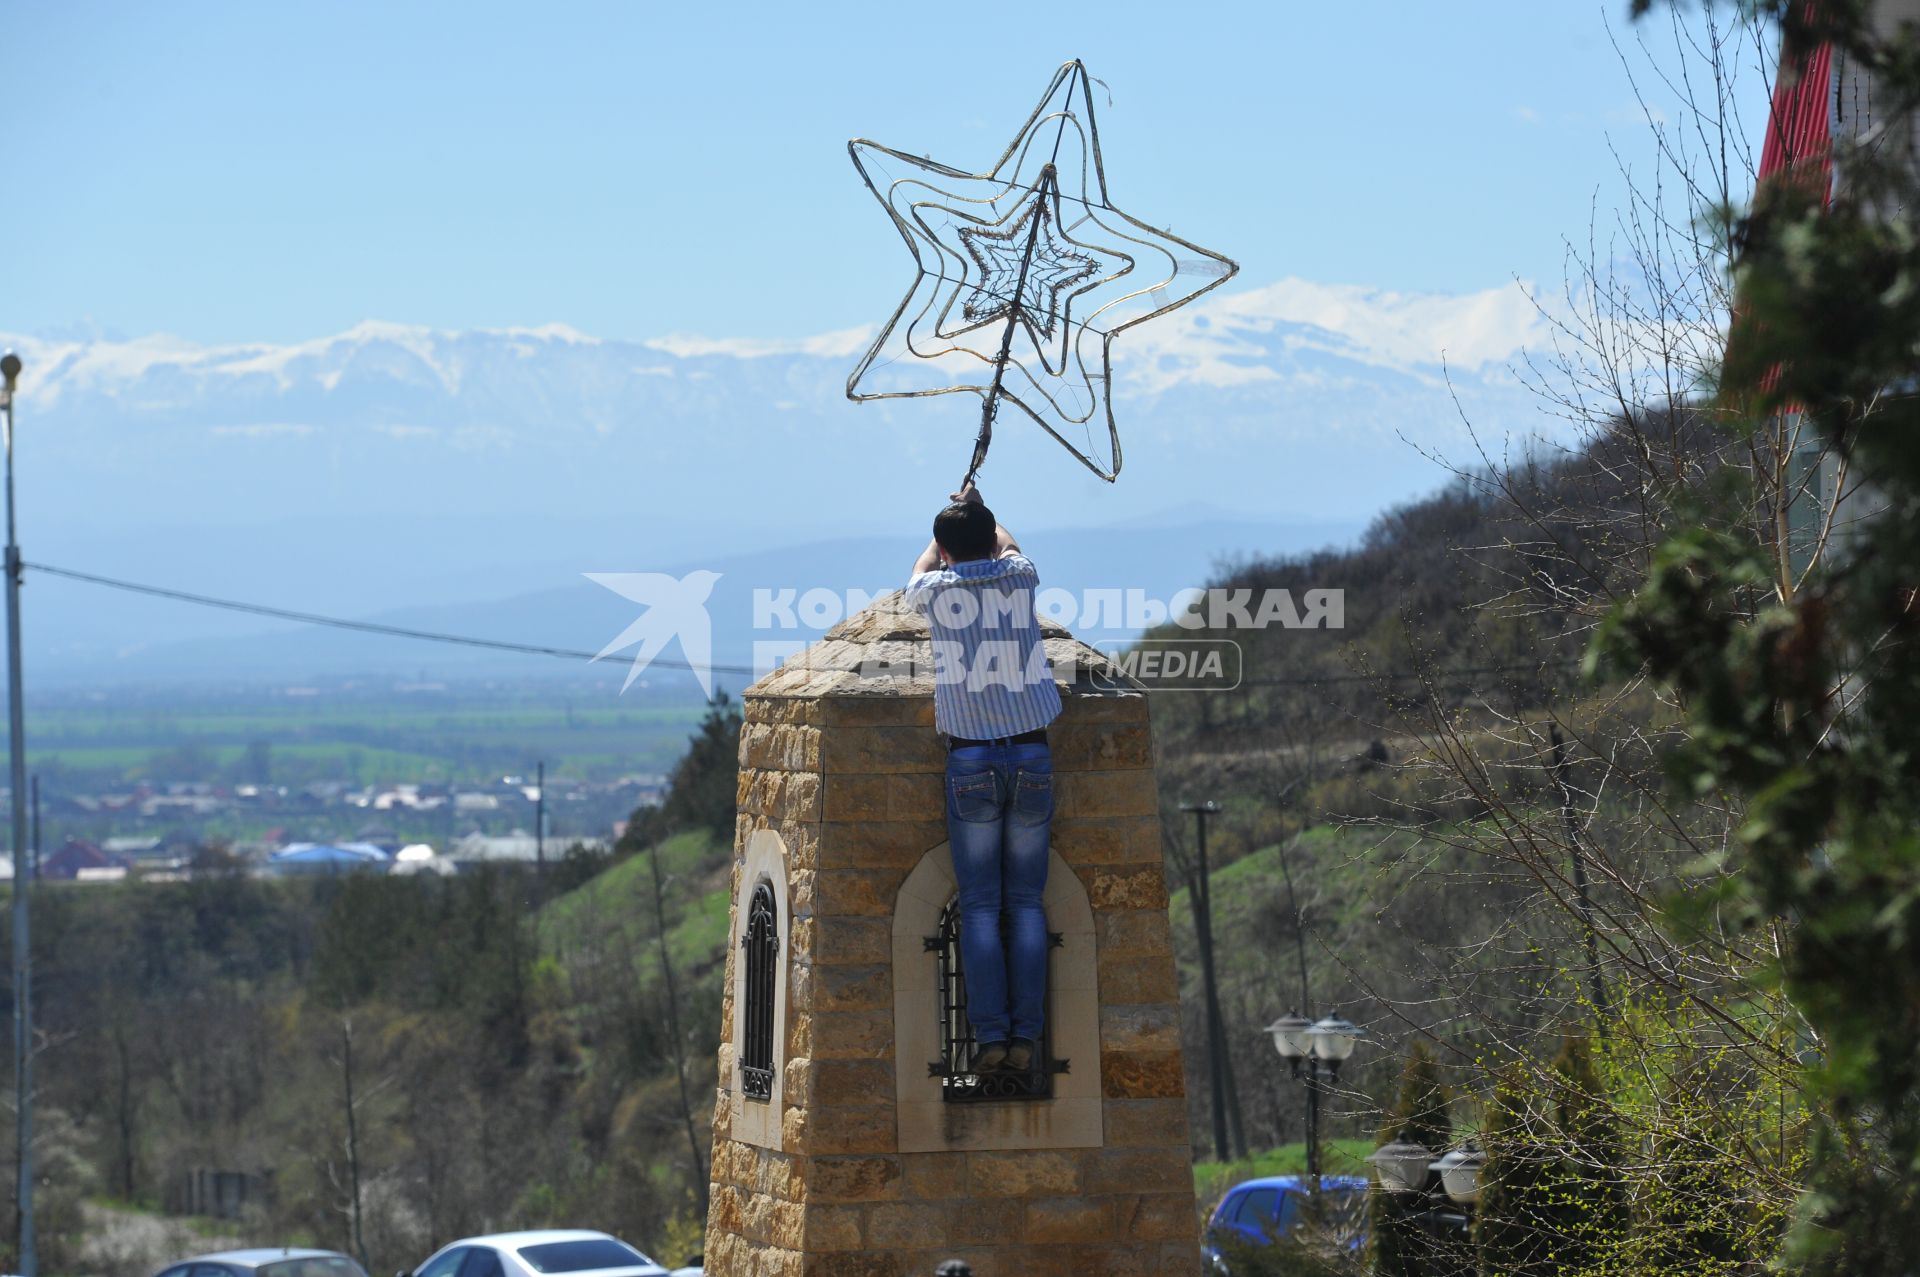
<point x="1049" y="182"/>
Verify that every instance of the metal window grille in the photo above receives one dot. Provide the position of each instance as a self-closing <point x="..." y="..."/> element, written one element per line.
<point x="960" y="1083"/>
<point x="762" y="945"/>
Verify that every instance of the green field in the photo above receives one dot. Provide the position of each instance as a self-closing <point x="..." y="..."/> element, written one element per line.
<point x="1337" y="1157"/>
<point x="355" y="735"/>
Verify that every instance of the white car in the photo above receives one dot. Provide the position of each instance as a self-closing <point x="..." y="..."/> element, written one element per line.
<point x="544" y="1253"/>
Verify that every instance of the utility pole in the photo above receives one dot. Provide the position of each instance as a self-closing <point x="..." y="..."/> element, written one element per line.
<point x="34" y="785"/>
<point x="27" y="1257"/>
<point x="540" y="824"/>
<point x="1200" y="888"/>
<point x="353" y="1140"/>
<point x="1293" y="906"/>
<point x="1582" y="900"/>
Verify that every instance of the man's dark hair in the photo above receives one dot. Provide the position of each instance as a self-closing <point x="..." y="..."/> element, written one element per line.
<point x="965" y="530"/>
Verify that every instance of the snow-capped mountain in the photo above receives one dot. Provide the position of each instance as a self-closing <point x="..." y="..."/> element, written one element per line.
<point x="392" y="465"/>
<point x="1271" y="384"/>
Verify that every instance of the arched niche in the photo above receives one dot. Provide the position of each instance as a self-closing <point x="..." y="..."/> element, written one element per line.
<point x="927" y="1123"/>
<point x="758" y="1120"/>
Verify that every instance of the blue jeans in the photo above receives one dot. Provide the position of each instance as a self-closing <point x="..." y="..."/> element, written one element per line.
<point x="999" y="812"/>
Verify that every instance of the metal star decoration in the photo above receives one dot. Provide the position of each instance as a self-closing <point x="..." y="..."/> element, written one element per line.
<point x="1026" y="274"/>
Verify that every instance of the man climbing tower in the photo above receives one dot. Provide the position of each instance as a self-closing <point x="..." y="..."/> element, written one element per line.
<point x="993" y="698"/>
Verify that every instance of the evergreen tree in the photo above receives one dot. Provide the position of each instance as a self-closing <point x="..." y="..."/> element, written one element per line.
<point x="1694" y="1222"/>
<point x="1518" y="1227"/>
<point x="1421" y="1109"/>
<point x="1553" y="1200"/>
<point x="1593" y="1212"/>
<point x="1799" y="682"/>
<point x="701" y="789"/>
<point x="1398" y="1246"/>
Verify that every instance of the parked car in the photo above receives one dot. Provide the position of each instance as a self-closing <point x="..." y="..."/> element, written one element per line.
<point x="1259" y="1210"/>
<point x="538" y="1254"/>
<point x="283" y="1262"/>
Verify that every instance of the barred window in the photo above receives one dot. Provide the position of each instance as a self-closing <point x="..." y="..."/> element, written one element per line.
<point x="959" y="1082"/>
<point x="762" y="945"/>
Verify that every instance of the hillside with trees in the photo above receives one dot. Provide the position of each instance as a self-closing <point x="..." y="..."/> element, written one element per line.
<point x="393" y="1062"/>
<point x="1610" y="829"/>
<point x="520" y="1053"/>
<point x="1434" y="821"/>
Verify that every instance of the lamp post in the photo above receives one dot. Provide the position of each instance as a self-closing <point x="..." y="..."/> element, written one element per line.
<point x="1423" y="1186"/>
<point x="1314" y="1052"/>
<point x="22" y="867"/>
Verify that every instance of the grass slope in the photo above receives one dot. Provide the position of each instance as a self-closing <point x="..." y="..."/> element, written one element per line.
<point x="1211" y="1180"/>
<point x="619" y="904"/>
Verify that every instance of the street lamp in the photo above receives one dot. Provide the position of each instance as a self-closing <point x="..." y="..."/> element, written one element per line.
<point x="1334" y="1038"/>
<point x="1460" y="1173"/>
<point x="1402" y="1165"/>
<point x="1314" y="1052"/>
<point x="1290" y="1038"/>
<point x="1422" y="1185"/>
<point x="22" y="867"/>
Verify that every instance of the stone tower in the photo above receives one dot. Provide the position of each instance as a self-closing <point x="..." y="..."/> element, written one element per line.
<point x="849" y="1139"/>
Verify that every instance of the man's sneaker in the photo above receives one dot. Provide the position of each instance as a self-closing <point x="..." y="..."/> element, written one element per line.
<point x="990" y="1057"/>
<point x="1019" y="1054"/>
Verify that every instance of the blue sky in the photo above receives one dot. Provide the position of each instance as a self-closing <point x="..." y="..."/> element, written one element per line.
<point x="271" y="172"/>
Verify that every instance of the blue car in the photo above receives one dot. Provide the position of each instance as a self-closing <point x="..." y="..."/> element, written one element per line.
<point x="1259" y="1210"/>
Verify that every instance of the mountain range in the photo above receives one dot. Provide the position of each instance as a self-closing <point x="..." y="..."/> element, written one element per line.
<point x="395" y="470"/>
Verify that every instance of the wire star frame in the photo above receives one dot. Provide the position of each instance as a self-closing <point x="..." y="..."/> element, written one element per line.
<point x="1026" y="274"/>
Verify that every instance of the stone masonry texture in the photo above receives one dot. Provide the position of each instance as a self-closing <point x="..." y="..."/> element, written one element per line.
<point x="839" y="757"/>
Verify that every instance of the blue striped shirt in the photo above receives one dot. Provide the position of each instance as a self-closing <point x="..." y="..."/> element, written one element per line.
<point x="991" y="674"/>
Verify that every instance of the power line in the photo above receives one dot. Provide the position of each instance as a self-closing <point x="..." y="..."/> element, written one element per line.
<point x="1313" y="680"/>
<point x="362" y="627"/>
<point x="572" y="654"/>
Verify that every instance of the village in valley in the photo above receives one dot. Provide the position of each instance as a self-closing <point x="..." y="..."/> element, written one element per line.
<point x="334" y="826"/>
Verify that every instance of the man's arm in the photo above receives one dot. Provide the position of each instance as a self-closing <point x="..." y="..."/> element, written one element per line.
<point x="929" y="560"/>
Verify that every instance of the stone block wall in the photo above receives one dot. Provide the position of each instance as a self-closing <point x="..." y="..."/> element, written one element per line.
<point x="846" y="772"/>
